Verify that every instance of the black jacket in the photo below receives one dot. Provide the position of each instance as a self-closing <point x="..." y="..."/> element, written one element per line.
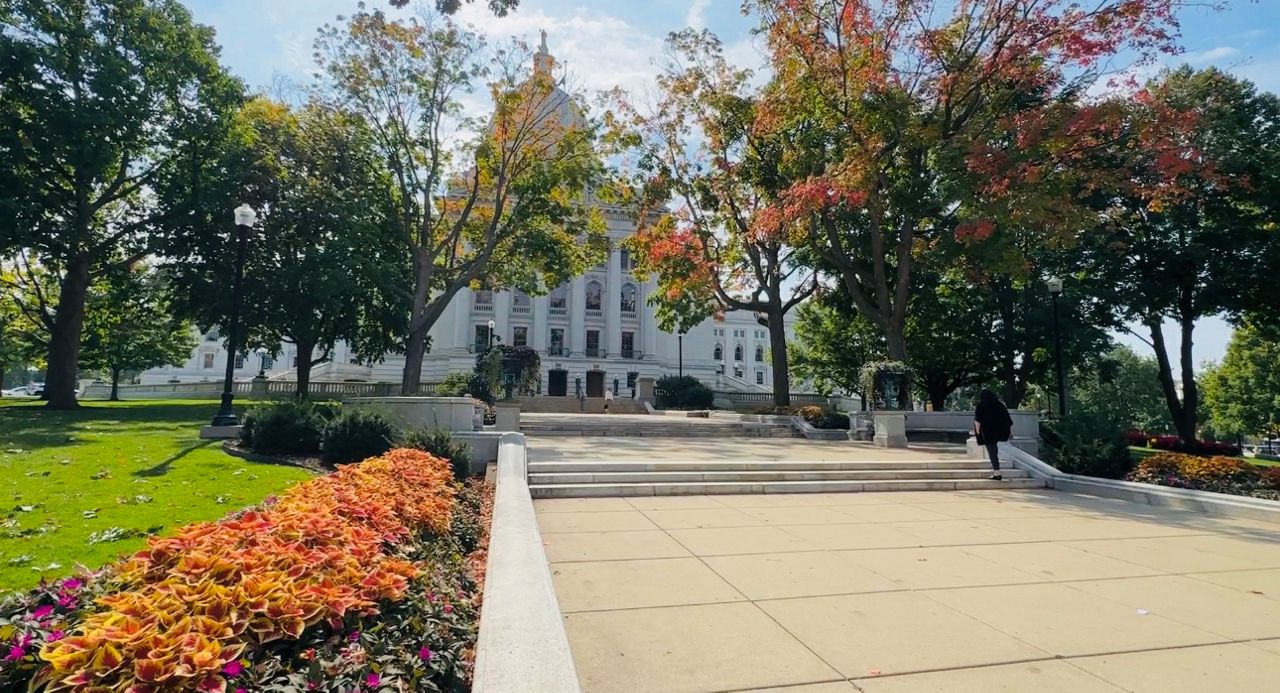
<point x="995" y="423"/>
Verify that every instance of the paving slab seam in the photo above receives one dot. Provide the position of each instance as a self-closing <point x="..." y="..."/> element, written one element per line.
<point x="784" y="686"/>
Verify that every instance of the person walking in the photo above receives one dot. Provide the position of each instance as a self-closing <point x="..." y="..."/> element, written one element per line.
<point x="992" y="425"/>
<point x="608" y="397"/>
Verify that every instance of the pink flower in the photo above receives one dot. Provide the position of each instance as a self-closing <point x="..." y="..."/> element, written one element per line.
<point x="355" y="635"/>
<point x="373" y="680"/>
<point x="16" y="653"/>
<point x="67" y="602"/>
<point x="56" y="635"/>
<point x="424" y="654"/>
<point x="233" y="668"/>
<point x="241" y="690"/>
<point x="448" y="608"/>
<point x="72" y="584"/>
<point x="41" y="613"/>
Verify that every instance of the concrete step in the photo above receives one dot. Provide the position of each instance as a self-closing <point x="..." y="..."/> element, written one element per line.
<point x="558" y="478"/>
<point x="741" y="487"/>
<point x="754" y="465"/>
<point x="646" y="432"/>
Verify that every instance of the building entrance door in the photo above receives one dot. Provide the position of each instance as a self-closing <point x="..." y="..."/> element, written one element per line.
<point x="557" y="383"/>
<point x="595" y="383"/>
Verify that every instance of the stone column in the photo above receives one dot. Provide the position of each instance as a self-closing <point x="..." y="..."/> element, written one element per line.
<point x="461" y="306"/>
<point x="577" y="337"/>
<point x="648" y="322"/>
<point x="502" y="316"/>
<point x="541" y="309"/>
<point x="613" y="306"/>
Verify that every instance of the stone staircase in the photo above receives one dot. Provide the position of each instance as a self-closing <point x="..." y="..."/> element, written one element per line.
<point x="652" y="426"/>
<point x="545" y="404"/>
<point x="639" y="478"/>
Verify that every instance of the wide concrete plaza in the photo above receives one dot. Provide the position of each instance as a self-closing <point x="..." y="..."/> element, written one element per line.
<point x="894" y="592"/>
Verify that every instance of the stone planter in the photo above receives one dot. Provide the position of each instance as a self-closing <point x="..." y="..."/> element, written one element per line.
<point x="891" y="430"/>
<point x="508" y="417"/>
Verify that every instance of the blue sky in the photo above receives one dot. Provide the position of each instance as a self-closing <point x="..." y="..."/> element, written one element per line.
<point x="616" y="42"/>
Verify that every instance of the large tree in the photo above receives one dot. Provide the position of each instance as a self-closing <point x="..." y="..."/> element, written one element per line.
<point x="99" y="101"/>
<point x="895" y="107"/>
<point x="1191" y="226"/>
<point x="507" y="207"/>
<point x="728" y="243"/>
<point x="1124" y="387"/>
<point x="130" y="325"/>
<point x="322" y="254"/>
<point x="1242" y="393"/>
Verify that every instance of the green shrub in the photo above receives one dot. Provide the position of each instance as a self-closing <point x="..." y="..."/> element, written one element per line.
<point x="683" y="392"/>
<point x="355" y="435"/>
<point x="285" y="427"/>
<point x="440" y="443"/>
<point x="455" y="384"/>
<point x="1087" y="445"/>
<point x="816" y="416"/>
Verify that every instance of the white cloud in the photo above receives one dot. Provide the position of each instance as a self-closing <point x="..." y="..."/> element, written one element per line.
<point x="1211" y="55"/>
<point x="697" y="15"/>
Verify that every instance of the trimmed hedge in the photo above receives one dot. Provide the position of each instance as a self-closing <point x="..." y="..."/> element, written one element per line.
<point x="357" y="434"/>
<point x="440" y="443"/>
<point x="1087" y="445"/>
<point x="286" y="427"/>
<point x="682" y="392"/>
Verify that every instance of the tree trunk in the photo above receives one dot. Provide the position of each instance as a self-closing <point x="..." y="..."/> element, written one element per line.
<point x="115" y="385"/>
<point x="304" y="369"/>
<point x="414" y="349"/>
<point x="64" y="338"/>
<point x="778" y="355"/>
<point x="1167" y="385"/>
<point x="937" y="395"/>
<point x="895" y="341"/>
<point x="1190" y="393"/>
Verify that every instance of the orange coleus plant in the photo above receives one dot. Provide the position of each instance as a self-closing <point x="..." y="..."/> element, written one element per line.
<point x="193" y="602"/>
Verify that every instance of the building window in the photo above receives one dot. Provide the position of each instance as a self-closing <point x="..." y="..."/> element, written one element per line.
<point x="628" y="345"/>
<point x="759" y="377"/>
<point x="239" y="362"/>
<point x="482" y="338"/>
<point x="593" y="342"/>
<point x="629" y="298"/>
<point x="719" y="353"/>
<point x="484" y="301"/>
<point x="520" y="303"/>
<point x="737" y="353"/>
<point x="208" y="360"/>
<point x="557" y="342"/>
<point x="267" y="362"/>
<point x="558" y="302"/>
<point x="520" y="336"/>
<point x="295" y="362"/>
<point x="759" y="354"/>
<point x="595" y="293"/>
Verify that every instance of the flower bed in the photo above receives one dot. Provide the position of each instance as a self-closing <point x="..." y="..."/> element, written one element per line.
<point x="368" y="578"/>
<point x="816" y="416"/>
<point x="1217" y="474"/>
<point x="1175" y="444"/>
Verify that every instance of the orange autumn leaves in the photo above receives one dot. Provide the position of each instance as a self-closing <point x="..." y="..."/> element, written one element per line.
<point x="193" y="602"/>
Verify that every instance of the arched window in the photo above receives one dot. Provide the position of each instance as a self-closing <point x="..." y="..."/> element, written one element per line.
<point x="559" y="299"/>
<point x="719" y="353"/>
<point x="759" y="354"/>
<point x="594" y="292"/>
<point x="737" y="353"/>
<point x="628" y="298"/>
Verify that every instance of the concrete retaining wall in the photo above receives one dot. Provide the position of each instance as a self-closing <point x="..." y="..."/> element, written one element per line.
<point x="522" y="644"/>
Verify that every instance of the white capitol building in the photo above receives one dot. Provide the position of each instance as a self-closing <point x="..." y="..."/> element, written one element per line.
<point x="598" y="331"/>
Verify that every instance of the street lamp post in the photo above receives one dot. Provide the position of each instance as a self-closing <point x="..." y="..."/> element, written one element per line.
<point x="493" y="325"/>
<point x="245" y="218"/>
<point x="1055" y="290"/>
<point x="680" y="351"/>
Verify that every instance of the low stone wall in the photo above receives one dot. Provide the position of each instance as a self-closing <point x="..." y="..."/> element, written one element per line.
<point x="522" y="645"/>
<point x="1221" y="504"/>
<point x="448" y="413"/>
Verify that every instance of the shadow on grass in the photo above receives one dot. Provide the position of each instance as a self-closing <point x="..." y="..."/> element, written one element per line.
<point x="30" y="426"/>
<point x="163" y="467"/>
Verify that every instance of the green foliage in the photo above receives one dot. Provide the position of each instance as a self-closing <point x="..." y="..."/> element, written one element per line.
<point x="1122" y="387"/>
<point x="355" y="435"/>
<point x="683" y="392"/>
<point x="831" y="345"/>
<point x="440" y="442"/>
<point x="1088" y="445"/>
<point x="816" y="416"/>
<point x="455" y="384"/>
<point x="1243" y="392"/>
<point x="105" y="104"/>
<point x="286" y="427"/>
<point x="493" y="367"/>
<point x="130" y="325"/>
<point x="134" y="465"/>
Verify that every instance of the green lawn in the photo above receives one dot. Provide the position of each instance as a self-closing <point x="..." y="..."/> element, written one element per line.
<point x="84" y="487"/>
<point x="1140" y="452"/>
